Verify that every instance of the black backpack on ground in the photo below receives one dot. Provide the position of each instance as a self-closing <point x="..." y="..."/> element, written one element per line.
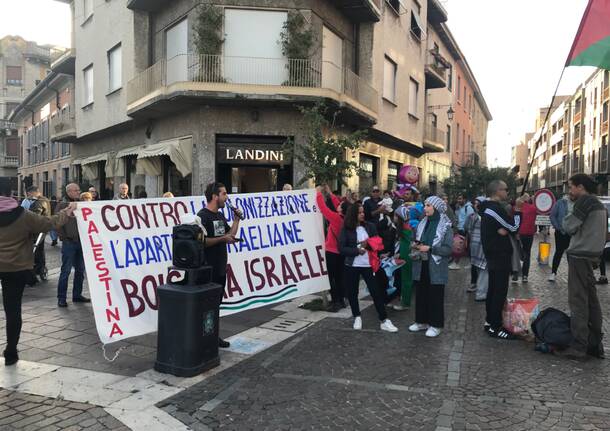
<point x="552" y="327"/>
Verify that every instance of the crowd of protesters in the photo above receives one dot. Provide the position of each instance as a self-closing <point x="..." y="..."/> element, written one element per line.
<point x="406" y="244"/>
<point x="397" y="243"/>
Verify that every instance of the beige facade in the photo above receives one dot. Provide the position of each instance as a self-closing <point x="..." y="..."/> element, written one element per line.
<point x="369" y="63"/>
<point x="22" y="65"/>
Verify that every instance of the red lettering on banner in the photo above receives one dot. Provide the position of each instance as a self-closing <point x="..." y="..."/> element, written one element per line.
<point x="92" y="228"/>
<point x="232" y="284"/>
<point x="98" y="255"/>
<point x="103" y="271"/>
<point x="106" y="282"/>
<point x="115" y="330"/>
<point x="298" y="265"/>
<point x="174" y="276"/>
<point x="130" y="290"/>
<point x="86" y="212"/>
<point x="257" y="274"/>
<point x="92" y="243"/>
<point x="287" y="273"/>
<point x="321" y="259"/>
<point x="109" y="298"/>
<point x="269" y="267"/>
<point x="150" y="280"/>
<point x="248" y="277"/>
<point x="312" y="273"/>
<point x="105" y="220"/>
<point x="112" y="314"/>
<point x="168" y="213"/>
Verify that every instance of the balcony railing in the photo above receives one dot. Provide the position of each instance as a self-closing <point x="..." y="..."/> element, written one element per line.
<point x="577" y="117"/>
<point x="576" y="141"/>
<point x="34" y="51"/>
<point x="9" y="161"/>
<point x="436" y="69"/>
<point x="250" y="74"/>
<point x="62" y="125"/>
<point x="435" y="135"/>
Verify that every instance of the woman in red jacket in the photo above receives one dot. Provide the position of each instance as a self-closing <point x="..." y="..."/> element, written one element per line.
<point x="334" y="260"/>
<point x="527" y="232"/>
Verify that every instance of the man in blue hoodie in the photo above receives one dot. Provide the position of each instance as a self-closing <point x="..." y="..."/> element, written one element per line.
<point x="562" y="239"/>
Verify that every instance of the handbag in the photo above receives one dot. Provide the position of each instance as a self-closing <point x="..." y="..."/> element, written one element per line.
<point x="517" y="255"/>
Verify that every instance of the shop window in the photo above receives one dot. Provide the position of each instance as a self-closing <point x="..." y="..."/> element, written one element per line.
<point x="369" y="168"/>
<point x="393" y="169"/>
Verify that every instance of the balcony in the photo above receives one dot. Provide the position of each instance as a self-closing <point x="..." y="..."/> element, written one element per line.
<point x="434" y="139"/>
<point x="577" y="117"/>
<point x="360" y="10"/>
<point x="33" y="51"/>
<point x="147" y="5"/>
<point x="64" y="62"/>
<point x="436" y="70"/>
<point x="62" y="126"/>
<point x="171" y="85"/>
<point x="7" y="125"/>
<point x="576" y="142"/>
<point x="9" y="161"/>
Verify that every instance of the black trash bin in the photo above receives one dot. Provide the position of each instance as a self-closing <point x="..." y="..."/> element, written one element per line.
<point x="187" y="337"/>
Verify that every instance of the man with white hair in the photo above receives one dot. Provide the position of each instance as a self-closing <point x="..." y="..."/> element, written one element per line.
<point x="123" y="192"/>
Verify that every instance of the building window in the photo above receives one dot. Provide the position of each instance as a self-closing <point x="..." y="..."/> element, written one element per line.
<point x="87" y="9"/>
<point x="88" y="85"/>
<point x="450" y="79"/>
<point x="13" y="75"/>
<point x="114" y="69"/>
<point x="389" y="80"/>
<point x="413" y="97"/>
<point x="416" y="26"/>
<point x="65" y="177"/>
<point x="393" y="169"/>
<point x="457" y="138"/>
<point x="459" y="88"/>
<point x="368" y="173"/>
<point x="394" y="6"/>
<point x="448" y="138"/>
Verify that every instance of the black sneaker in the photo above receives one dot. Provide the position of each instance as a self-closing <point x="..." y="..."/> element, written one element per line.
<point x="501" y="333"/>
<point x="81" y="299"/>
<point x="62" y="303"/>
<point x="596" y="351"/>
<point x="602" y="280"/>
<point x="10" y="358"/>
<point x="54" y="243"/>
<point x="224" y="344"/>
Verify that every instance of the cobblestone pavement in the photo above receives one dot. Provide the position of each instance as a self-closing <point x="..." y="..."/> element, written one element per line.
<point x="30" y="413"/>
<point x="332" y="377"/>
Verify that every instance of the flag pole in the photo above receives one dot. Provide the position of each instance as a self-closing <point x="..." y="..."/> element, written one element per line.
<point x="539" y="140"/>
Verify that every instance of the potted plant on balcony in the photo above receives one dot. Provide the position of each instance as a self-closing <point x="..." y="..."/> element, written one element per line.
<point x="207" y="66"/>
<point x="297" y="40"/>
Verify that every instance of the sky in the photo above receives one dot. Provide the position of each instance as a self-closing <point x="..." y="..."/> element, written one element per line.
<point x="516" y="50"/>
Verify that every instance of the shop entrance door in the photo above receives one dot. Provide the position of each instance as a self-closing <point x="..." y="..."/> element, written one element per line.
<point x="254" y="178"/>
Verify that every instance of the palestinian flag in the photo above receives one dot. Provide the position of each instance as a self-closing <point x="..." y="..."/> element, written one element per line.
<point x="591" y="46"/>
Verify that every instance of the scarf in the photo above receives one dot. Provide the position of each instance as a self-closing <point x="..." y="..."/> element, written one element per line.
<point x="436" y="231"/>
<point x="7" y="204"/>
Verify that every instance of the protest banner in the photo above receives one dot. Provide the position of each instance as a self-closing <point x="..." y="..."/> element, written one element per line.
<point x="127" y="246"/>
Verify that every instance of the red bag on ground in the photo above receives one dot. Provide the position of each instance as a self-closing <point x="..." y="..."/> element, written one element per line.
<point x="518" y="314"/>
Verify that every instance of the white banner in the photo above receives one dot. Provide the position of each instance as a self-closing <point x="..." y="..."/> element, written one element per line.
<point x="127" y="246"/>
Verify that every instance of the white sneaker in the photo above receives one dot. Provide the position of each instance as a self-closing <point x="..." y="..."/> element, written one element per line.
<point x="416" y="327"/>
<point x="358" y="323"/>
<point x="454" y="265"/>
<point x="433" y="332"/>
<point x="387" y="325"/>
<point x="400" y="307"/>
<point x="551" y="277"/>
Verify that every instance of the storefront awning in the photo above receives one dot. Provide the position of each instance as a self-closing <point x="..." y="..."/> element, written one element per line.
<point x="95" y="159"/>
<point x="131" y="151"/>
<point x="179" y="150"/>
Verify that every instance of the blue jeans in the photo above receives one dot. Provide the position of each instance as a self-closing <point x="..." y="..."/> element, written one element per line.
<point x="53" y="235"/>
<point x="71" y="256"/>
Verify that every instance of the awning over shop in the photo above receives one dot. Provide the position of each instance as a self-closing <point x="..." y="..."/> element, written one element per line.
<point x="131" y="151"/>
<point x="179" y="150"/>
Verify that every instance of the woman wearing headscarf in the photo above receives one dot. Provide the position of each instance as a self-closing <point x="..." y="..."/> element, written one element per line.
<point x="477" y="256"/>
<point x="432" y="248"/>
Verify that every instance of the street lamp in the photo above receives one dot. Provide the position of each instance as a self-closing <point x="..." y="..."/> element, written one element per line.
<point x="450" y="111"/>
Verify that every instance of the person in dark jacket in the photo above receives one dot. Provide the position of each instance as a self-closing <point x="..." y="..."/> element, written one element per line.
<point x="562" y="239"/>
<point x="17" y="226"/>
<point x="353" y="245"/>
<point x="496" y="226"/>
